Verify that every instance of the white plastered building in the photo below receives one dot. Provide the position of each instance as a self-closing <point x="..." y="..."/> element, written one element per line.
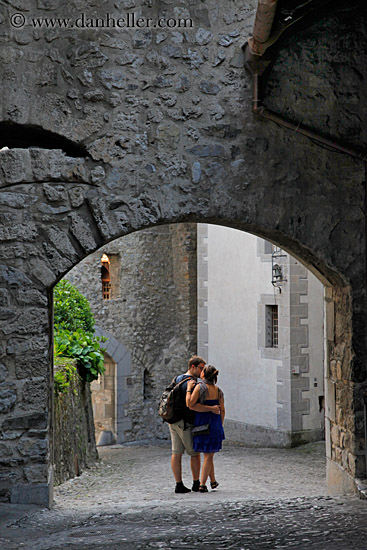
<point x="260" y="322"/>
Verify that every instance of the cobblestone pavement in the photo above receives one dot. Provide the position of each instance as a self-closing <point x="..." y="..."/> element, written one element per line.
<point x="267" y="499"/>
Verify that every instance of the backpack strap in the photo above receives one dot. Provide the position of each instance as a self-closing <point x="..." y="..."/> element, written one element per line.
<point x="185" y="379"/>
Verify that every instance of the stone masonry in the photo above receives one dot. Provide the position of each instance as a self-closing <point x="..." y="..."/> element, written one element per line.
<point x="112" y="130"/>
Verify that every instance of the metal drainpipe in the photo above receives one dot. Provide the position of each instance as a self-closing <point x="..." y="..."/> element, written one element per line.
<point x="262" y="27"/>
<point x="258" y="63"/>
<point x="265" y="34"/>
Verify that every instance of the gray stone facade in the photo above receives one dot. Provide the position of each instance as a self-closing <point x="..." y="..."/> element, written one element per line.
<point x="143" y="127"/>
<point x="150" y="320"/>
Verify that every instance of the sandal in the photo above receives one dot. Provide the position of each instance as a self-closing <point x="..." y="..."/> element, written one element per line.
<point x="214" y="484"/>
<point x="203" y="489"/>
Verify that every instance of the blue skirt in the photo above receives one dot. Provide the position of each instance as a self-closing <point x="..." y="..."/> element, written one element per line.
<point x="211" y="443"/>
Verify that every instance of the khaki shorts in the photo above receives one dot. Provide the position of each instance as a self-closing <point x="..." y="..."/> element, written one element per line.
<point x="181" y="439"/>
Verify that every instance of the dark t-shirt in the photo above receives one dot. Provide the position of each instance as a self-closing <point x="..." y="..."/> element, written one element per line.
<point x="189" y="416"/>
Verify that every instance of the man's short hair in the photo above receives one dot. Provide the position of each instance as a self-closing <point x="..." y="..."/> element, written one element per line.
<point x="195" y="361"/>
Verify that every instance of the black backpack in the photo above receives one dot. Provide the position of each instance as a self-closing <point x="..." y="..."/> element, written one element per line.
<point x="172" y="404"/>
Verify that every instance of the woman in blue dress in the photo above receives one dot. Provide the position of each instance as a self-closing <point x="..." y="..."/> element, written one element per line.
<point x="208" y="393"/>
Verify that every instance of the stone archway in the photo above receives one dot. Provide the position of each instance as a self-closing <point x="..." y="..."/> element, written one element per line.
<point x="122" y="363"/>
<point x="164" y="120"/>
<point x="27" y="403"/>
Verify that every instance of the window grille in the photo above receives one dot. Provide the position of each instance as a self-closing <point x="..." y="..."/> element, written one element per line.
<point x="272" y="326"/>
<point x="106" y="290"/>
<point x="106" y="277"/>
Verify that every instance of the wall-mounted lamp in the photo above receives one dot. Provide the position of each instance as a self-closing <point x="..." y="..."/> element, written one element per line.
<point x="277" y="273"/>
<point x="277" y="270"/>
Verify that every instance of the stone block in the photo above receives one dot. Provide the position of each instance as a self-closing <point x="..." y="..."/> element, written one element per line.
<point x="30" y="321"/>
<point x="109" y="410"/>
<point x="82" y="232"/>
<point x="109" y="382"/>
<point x="301" y="383"/>
<point x="60" y="240"/>
<point x="32" y="449"/>
<point x="17" y="200"/>
<point x="34" y="420"/>
<point x="35" y="393"/>
<point x="32" y="493"/>
<point x="302" y="406"/>
<point x="42" y="272"/>
<point x="74" y="170"/>
<point x="297" y="424"/>
<point x="32" y="297"/>
<point x="14" y="278"/>
<point x="5" y="450"/>
<point x="299" y="336"/>
<point x="59" y="263"/>
<point x="76" y="195"/>
<point x="36" y="473"/>
<point x="3" y="372"/>
<point x="101" y="216"/>
<point x="8" y="398"/>
<point x="16" y="166"/>
<point x="55" y="193"/>
<point x="334" y="434"/>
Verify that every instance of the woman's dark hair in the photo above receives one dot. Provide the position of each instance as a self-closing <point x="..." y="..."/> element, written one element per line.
<point x="211" y="373"/>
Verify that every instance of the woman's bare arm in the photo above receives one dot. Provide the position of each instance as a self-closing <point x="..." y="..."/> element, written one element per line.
<point x="222" y="409"/>
<point x="193" y="398"/>
<point x="192" y="395"/>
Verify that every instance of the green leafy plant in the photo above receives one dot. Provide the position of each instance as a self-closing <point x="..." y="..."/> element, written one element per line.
<point x="85" y="348"/>
<point x="73" y="333"/>
<point x="71" y="309"/>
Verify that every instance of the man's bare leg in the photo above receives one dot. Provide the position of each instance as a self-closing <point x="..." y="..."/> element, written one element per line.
<point x="176" y="465"/>
<point x="195" y="470"/>
<point x="195" y="467"/>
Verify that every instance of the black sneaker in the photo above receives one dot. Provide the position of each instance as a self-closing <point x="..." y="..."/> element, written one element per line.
<point x="180" y="488"/>
<point x="195" y="486"/>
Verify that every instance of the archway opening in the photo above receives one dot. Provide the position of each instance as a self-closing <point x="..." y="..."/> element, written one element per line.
<point x="241" y="302"/>
<point x="13" y="135"/>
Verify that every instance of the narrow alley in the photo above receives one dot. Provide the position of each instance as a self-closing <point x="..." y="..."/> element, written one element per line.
<point x="266" y="499"/>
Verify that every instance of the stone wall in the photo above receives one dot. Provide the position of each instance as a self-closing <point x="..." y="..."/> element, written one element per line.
<point x="144" y="127"/>
<point x="345" y="443"/>
<point x="75" y="444"/>
<point x="153" y="314"/>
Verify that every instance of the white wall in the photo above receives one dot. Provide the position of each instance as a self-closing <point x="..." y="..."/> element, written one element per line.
<point x="234" y="285"/>
<point x="315" y="350"/>
<point x="236" y="278"/>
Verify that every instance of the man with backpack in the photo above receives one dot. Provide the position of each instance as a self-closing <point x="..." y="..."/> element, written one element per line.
<point x="180" y="430"/>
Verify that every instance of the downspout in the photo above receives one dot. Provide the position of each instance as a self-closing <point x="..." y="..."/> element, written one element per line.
<point x="265" y="33"/>
<point x="257" y="60"/>
<point x="262" y="27"/>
